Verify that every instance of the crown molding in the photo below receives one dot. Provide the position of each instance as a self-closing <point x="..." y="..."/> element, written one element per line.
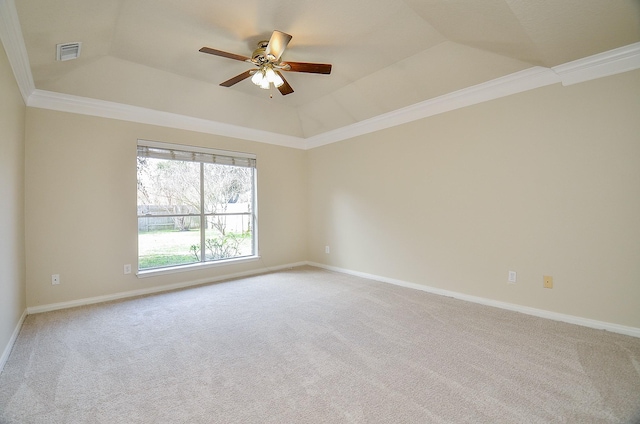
<point x="102" y="108"/>
<point x="601" y="65"/>
<point x="528" y="79"/>
<point x="11" y="37"/>
<point x="609" y="63"/>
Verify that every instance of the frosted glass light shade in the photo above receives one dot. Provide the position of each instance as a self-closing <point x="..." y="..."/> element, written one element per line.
<point x="257" y="77"/>
<point x="277" y="80"/>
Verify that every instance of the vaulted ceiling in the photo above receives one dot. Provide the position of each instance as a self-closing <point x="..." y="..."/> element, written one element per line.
<point x="386" y="54"/>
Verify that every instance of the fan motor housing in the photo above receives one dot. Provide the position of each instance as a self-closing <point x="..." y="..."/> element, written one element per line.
<point x="259" y="55"/>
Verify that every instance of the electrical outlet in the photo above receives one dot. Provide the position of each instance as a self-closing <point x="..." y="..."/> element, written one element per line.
<point x="547" y="282"/>
<point x="512" y="276"/>
<point x="55" y="279"/>
<point x="327" y="249"/>
<point x="127" y="269"/>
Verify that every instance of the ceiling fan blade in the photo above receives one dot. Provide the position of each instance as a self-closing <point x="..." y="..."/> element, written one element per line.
<point x="313" y="68"/>
<point x="277" y="44"/>
<point x="284" y="88"/>
<point x="224" y="54"/>
<point x="237" y="79"/>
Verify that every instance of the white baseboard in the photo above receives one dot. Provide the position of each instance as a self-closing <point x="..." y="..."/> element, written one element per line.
<point x="585" y="322"/>
<point x="157" y="289"/>
<point x="12" y="340"/>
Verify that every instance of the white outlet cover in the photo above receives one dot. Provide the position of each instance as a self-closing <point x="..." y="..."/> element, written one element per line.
<point x="127" y="269"/>
<point x="512" y="276"/>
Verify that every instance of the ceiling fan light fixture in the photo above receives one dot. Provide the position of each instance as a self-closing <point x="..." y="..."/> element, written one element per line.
<point x="270" y="75"/>
<point x="278" y="81"/>
<point x="257" y="77"/>
<point x="267" y="59"/>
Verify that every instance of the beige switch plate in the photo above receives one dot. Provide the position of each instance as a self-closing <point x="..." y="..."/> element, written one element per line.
<point x="547" y="282"/>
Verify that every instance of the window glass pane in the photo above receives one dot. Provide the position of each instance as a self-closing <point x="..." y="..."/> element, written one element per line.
<point x="227" y="189"/>
<point x="228" y="236"/>
<point x="163" y="242"/>
<point x="168" y="187"/>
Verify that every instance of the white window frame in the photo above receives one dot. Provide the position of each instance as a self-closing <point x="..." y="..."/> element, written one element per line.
<point x="223" y="157"/>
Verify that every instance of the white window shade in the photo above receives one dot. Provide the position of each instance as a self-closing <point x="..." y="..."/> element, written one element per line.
<point x="157" y="150"/>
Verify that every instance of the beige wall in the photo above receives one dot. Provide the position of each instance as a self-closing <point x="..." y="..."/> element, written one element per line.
<point x="546" y="182"/>
<point x="12" y="256"/>
<point x="81" y="205"/>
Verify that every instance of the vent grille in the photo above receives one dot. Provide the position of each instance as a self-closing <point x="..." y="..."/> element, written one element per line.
<point x="67" y="51"/>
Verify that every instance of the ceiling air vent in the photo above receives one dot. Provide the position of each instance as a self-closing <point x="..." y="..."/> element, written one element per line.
<point x="67" y="51"/>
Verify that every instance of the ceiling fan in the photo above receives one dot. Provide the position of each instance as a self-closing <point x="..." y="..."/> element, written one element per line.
<point x="267" y="58"/>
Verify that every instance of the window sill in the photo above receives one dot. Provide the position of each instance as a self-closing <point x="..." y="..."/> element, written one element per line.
<point x="193" y="267"/>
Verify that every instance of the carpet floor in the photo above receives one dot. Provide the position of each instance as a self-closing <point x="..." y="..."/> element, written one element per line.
<point x="311" y="346"/>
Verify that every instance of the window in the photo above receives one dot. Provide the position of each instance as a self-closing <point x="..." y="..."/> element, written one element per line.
<point x="195" y="205"/>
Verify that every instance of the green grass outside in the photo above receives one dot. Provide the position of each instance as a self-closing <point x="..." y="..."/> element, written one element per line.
<point x="157" y="261"/>
<point x="166" y="248"/>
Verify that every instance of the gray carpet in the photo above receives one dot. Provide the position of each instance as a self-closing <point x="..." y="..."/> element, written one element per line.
<point x="311" y="346"/>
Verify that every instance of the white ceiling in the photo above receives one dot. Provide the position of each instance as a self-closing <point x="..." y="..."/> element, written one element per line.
<point x="386" y="54"/>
